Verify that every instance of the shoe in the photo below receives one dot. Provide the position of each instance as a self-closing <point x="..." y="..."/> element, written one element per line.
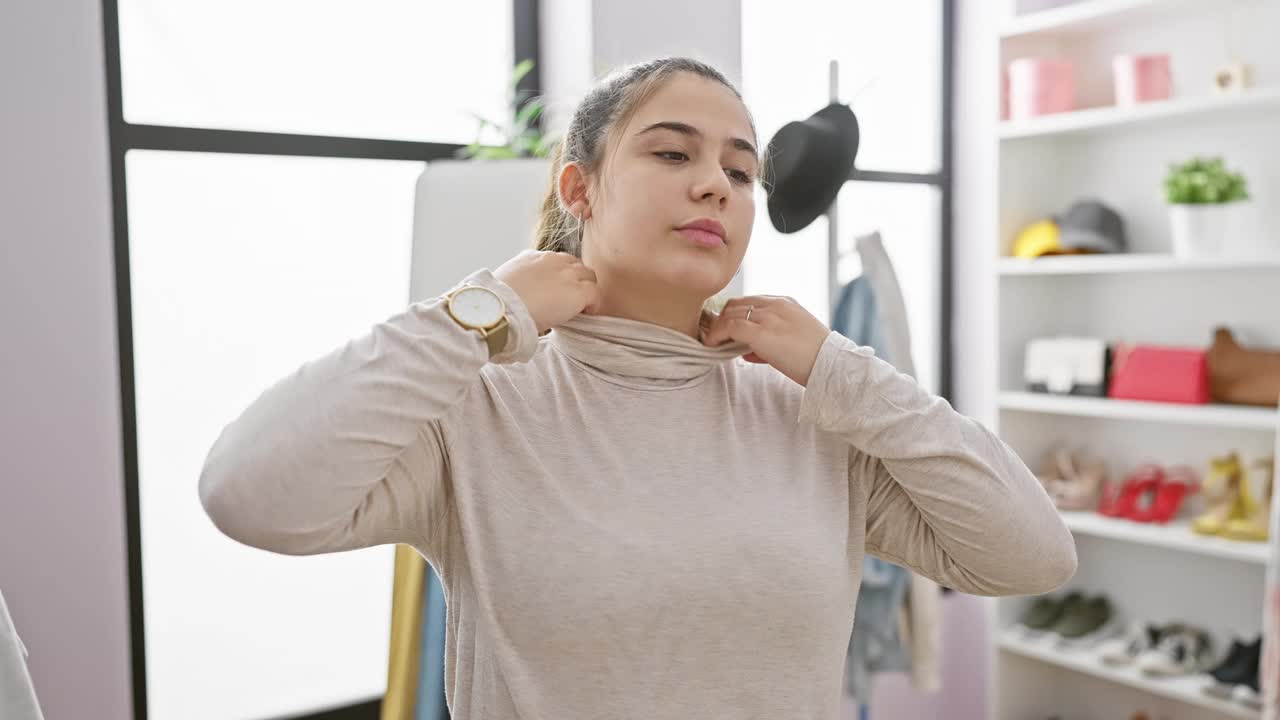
<point x="1183" y="650"/>
<point x="1086" y="623"/>
<point x="1255" y="526"/>
<point x="1242" y="669"/>
<point x="1124" y="501"/>
<point x="1072" y="480"/>
<point x="1248" y="696"/>
<point x="1223" y="487"/>
<point x="1042" y="619"/>
<point x="1045" y="611"/>
<point x="1178" y="483"/>
<point x="1124" y="650"/>
<point x="1239" y="667"/>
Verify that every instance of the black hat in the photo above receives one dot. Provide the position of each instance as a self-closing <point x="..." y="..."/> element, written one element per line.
<point x="810" y="161"/>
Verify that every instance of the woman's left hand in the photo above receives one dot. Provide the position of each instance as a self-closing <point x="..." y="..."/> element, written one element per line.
<point x="777" y="329"/>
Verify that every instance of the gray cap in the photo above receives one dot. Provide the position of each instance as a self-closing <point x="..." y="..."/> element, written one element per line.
<point x="1089" y="225"/>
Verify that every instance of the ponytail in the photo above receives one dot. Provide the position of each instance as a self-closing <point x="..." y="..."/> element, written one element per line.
<point x="553" y="232"/>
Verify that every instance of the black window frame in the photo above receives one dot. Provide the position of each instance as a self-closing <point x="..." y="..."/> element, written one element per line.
<point x="123" y="137"/>
<point x="942" y="180"/>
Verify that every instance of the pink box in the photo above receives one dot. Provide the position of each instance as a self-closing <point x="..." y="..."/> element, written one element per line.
<point x="1040" y="87"/>
<point x="1141" y="78"/>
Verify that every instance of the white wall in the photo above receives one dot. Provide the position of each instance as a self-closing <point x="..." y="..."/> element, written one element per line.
<point x="975" y="226"/>
<point x="62" y="542"/>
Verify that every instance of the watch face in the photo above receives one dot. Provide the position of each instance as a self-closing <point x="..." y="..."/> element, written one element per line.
<point x="477" y="307"/>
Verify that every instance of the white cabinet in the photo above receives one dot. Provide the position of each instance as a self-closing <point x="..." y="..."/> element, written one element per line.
<point x="1120" y="156"/>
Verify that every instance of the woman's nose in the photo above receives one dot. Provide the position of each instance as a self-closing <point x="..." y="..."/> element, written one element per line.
<point x="712" y="182"/>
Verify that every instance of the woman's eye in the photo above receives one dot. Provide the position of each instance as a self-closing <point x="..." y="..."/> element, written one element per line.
<point x="739" y="176"/>
<point x="671" y="155"/>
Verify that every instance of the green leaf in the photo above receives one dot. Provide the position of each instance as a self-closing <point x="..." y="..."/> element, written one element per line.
<point x="529" y="113"/>
<point x="522" y="68"/>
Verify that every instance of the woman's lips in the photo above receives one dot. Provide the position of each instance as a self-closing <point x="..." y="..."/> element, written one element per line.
<point x="703" y="238"/>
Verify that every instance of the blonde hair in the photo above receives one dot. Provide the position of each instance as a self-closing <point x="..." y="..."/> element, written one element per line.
<point x="610" y="104"/>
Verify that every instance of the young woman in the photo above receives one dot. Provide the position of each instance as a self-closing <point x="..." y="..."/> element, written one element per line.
<point x="629" y="520"/>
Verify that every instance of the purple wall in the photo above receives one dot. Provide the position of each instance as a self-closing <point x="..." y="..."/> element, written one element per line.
<point x="62" y="543"/>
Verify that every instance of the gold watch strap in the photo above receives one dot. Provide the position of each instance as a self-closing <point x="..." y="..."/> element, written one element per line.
<point x="496" y="336"/>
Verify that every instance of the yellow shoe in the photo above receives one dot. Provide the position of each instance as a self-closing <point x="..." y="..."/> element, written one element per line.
<point x="1222" y="492"/>
<point x="1255" y="526"/>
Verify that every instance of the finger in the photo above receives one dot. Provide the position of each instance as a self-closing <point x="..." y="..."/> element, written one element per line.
<point x="746" y="300"/>
<point x="591" y="289"/>
<point x="582" y="272"/>
<point x="736" y="329"/>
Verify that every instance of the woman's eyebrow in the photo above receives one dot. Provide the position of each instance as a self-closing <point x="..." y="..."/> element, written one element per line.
<point x="693" y="132"/>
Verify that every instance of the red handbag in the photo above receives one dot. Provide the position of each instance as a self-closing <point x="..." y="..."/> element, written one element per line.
<point x="1159" y="374"/>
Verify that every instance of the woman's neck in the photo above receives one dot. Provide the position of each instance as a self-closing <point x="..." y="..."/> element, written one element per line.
<point x="677" y="312"/>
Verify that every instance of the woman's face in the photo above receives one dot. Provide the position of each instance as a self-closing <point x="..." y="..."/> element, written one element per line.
<point x="686" y="156"/>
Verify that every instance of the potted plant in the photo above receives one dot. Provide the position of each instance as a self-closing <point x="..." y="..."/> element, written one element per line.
<point x="1205" y="201"/>
<point x="520" y="133"/>
<point x="479" y="208"/>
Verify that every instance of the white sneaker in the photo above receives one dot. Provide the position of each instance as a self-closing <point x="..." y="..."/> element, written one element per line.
<point x="1124" y="650"/>
<point x="1246" y="696"/>
<point x="1181" y="651"/>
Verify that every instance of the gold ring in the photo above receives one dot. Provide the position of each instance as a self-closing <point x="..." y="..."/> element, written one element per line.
<point x="749" y="309"/>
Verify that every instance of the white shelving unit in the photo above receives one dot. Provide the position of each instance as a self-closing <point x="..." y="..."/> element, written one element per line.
<point x="1228" y="416"/>
<point x="1184" y="690"/>
<point x="1130" y="263"/>
<point x="1156" y="573"/>
<point x="1105" y="118"/>
<point x="1090" y="16"/>
<point x="1174" y="536"/>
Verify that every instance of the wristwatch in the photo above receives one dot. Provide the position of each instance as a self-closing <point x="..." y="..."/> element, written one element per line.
<point x="479" y="308"/>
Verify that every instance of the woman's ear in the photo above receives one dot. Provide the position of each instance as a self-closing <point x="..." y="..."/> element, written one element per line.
<point x="572" y="187"/>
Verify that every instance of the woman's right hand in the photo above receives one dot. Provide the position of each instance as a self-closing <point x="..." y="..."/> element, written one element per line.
<point x="555" y="286"/>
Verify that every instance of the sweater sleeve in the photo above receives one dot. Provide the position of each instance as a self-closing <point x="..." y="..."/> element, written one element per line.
<point x="946" y="497"/>
<point x="347" y="452"/>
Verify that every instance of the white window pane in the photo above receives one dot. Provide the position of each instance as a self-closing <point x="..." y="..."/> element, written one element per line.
<point x="908" y="218"/>
<point x="397" y="69"/>
<point x="242" y="268"/>
<point x="793" y="265"/>
<point x="890" y="57"/>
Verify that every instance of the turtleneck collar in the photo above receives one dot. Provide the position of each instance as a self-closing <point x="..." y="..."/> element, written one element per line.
<point x="639" y="354"/>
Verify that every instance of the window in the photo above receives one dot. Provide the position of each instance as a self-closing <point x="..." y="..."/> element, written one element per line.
<point x="264" y="165"/>
<point x="894" y="72"/>
<point x="242" y="268"/>
<point x="380" y="69"/>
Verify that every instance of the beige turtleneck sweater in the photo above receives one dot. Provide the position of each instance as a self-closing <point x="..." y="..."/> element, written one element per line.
<point x="626" y="523"/>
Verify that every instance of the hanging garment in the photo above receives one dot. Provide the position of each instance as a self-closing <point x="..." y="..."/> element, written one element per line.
<point x="17" y="694"/>
<point x="877" y="644"/>
<point x="431" y="698"/>
<point x="924" y="601"/>
<point x="871" y="311"/>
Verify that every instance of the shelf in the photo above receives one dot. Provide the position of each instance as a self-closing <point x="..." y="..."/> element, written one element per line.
<point x="1187" y="689"/>
<point x="1175" y="536"/>
<point x="1113" y="117"/>
<point x="1128" y="263"/>
<point x="1093" y="15"/>
<point x="1229" y="416"/>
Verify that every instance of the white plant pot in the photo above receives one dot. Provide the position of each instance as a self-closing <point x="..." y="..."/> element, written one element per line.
<point x="1206" y="231"/>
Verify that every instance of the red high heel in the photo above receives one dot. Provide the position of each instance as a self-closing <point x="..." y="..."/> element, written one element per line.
<point x="1178" y="483"/>
<point x="1123" y="502"/>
